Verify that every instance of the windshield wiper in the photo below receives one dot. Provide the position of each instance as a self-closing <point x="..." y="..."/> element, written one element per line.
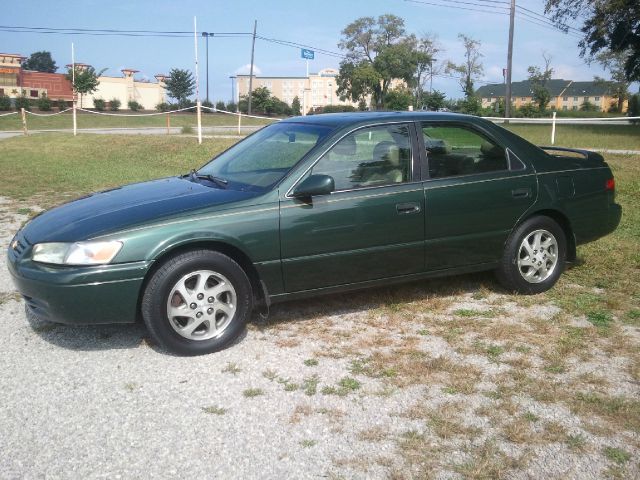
<point x="219" y="181"/>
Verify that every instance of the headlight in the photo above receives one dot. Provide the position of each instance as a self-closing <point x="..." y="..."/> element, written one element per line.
<point x="79" y="253"/>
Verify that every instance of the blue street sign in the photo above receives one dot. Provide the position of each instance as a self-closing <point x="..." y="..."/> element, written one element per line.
<point x="308" y="54"/>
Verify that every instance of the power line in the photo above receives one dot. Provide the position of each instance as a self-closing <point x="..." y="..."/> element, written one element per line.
<point x="456" y="7"/>
<point x="301" y="45"/>
<point x="112" y="32"/>
<point x="474" y="4"/>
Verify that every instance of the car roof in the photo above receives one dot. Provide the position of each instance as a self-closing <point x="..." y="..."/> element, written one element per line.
<point x="349" y="118"/>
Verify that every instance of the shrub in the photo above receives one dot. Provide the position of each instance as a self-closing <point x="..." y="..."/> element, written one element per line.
<point x="528" y="110"/>
<point x="207" y="105"/>
<point x="163" y="107"/>
<point x="44" y="103"/>
<point x="187" y="129"/>
<point x="5" y="103"/>
<point x="62" y="104"/>
<point x="220" y="105"/>
<point x="23" y="102"/>
<point x="134" y="106"/>
<point x="114" y="104"/>
<point x="231" y="107"/>
<point x="99" y="104"/>
<point x="587" y="106"/>
<point x="295" y="106"/>
<point x="338" y="108"/>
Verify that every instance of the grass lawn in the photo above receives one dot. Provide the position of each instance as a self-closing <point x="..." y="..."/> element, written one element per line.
<point x="613" y="137"/>
<point x="87" y="120"/>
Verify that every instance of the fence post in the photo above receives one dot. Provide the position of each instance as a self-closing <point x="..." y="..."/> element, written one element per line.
<point x="199" y="117"/>
<point x="75" y="120"/>
<point x="24" y="122"/>
<point x="239" y="121"/>
<point x="168" y="123"/>
<point x="553" y="129"/>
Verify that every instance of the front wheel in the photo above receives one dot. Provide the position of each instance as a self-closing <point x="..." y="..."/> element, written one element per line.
<point x="197" y="302"/>
<point x="534" y="256"/>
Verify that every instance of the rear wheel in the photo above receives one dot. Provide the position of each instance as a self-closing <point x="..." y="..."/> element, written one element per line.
<point x="197" y="302"/>
<point x="534" y="256"/>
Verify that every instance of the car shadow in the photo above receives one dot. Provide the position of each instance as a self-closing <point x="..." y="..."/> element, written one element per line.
<point x="130" y="336"/>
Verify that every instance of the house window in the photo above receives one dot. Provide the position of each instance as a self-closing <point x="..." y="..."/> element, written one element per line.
<point x="564" y="107"/>
<point x="1" y="91"/>
<point x="575" y="107"/>
<point x="586" y="99"/>
<point x="524" y="99"/>
<point x="597" y="99"/>
<point x="34" y="93"/>
<point x="565" y="99"/>
<point x="575" y="99"/>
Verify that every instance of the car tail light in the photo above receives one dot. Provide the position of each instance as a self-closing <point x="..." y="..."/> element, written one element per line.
<point x="610" y="185"/>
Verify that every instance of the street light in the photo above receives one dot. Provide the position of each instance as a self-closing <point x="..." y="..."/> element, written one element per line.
<point x="206" y="35"/>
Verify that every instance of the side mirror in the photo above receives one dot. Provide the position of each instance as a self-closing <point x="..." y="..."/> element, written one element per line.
<point x="315" y="185"/>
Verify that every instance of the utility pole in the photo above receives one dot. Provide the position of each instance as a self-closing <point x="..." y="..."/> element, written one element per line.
<point x="507" y="97"/>
<point x="253" y="48"/>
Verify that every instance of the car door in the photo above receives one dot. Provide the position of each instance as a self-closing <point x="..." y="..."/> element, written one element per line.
<point x="475" y="193"/>
<point x="371" y="226"/>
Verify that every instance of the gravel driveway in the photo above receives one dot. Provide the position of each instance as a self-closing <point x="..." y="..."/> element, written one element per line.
<point x="318" y="391"/>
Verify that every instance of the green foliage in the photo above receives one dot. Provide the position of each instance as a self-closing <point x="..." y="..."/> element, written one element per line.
<point x="469" y="70"/>
<point x="434" y="100"/>
<point x="62" y="104"/>
<point x="220" y="105"/>
<point x="134" y="106"/>
<point x="587" y="106"/>
<point x="378" y="51"/>
<point x="608" y="26"/>
<point x="163" y="107"/>
<point x="99" y="104"/>
<point x="44" y="103"/>
<point x="398" y="99"/>
<point x="539" y="80"/>
<point x="207" y="104"/>
<point x="295" y="106"/>
<point x="528" y="110"/>
<point x="114" y="104"/>
<point x="40" y="62"/>
<point x="231" y="107"/>
<point x="262" y="102"/>
<point x="470" y="105"/>
<point x="180" y="85"/>
<point x="22" y="102"/>
<point x="5" y="103"/>
<point x="86" y="80"/>
<point x="362" y="105"/>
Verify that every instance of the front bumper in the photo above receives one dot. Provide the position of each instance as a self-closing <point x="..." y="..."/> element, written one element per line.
<point x="78" y="295"/>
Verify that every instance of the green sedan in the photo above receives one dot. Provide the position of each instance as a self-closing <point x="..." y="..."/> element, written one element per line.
<point x="309" y="206"/>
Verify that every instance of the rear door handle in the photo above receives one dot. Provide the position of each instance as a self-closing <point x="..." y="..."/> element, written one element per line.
<point x="407" y="208"/>
<point x="521" y="193"/>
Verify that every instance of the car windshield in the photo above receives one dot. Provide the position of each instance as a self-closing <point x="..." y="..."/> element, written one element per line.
<point x="265" y="157"/>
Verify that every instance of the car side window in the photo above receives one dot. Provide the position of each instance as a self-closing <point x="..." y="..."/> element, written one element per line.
<point x="371" y="156"/>
<point x="453" y="150"/>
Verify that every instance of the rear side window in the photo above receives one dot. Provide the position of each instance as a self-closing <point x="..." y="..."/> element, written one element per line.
<point x="454" y="150"/>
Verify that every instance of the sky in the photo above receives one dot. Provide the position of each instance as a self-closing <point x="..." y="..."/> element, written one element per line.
<point x="317" y="24"/>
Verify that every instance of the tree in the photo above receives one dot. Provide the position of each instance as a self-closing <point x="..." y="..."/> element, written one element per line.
<point x="434" y="100"/>
<point x="427" y="49"/>
<point x="295" y="106"/>
<point x="398" y="99"/>
<point x="86" y="80"/>
<point x="40" y="62"/>
<point x="618" y="86"/>
<point x="471" y="68"/>
<point x="180" y="85"/>
<point x="539" y="79"/>
<point x="634" y="107"/>
<point x="378" y="51"/>
<point x="608" y="26"/>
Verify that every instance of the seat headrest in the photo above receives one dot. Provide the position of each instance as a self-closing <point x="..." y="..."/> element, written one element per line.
<point x="387" y="151"/>
<point x="490" y="150"/>
<point x="437" y="146"/>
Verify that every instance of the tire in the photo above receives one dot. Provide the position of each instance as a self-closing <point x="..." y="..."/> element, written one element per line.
<point x="527" y="269"/>
<point x="197" y="302"/>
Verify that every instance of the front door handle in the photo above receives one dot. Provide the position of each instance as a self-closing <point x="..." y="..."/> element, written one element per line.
<point x="521" y="193"/>
<point x="407" y="208"/>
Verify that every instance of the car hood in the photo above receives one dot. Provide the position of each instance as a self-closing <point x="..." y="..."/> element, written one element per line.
<point x="116" y="209"/>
